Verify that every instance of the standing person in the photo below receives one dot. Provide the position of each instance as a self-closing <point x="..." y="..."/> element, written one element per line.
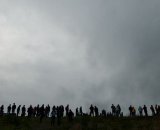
<point x="59" y="115"/>
<point x="2" y="110"/>
<point x="113" y="110"/>
<point x="23" y="111"/>
<point x="9" y="109"/>
<point x="54" y="109"/>
<point x="53" y="117"/>
<point x="70" y="115"/>
<point x="152" y="110"/>
<point x="130" y="110"/>
<point x="80" y="111"/>
<point x="145" y="110"/>
<point x="41" y="113"/>
<point x="67" y="110"/>
<point x="156" y="108"/>
<point x="96" y="111"/>
<point x="133" y="111"/>
<point x="18" y="110"/>
<point x="118" y="110"/>
<point x="34" y="111"/>
<point x="30" y="111"/>
<point x="77" y="112"/>
<point x="13" y="108"/>
<point x="140" y="109"/>
<point x="62" y="110"/>
<point x="91" y="110"/>
<point x="47" y="110"/>
<point x="38" y="111"/>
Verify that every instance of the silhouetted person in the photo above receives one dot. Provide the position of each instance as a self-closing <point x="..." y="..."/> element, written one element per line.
<point x="70" y="115"/>
<point x="140" y="109"/>
<point x="96" y="111"/>
<point x="77" y="112"/>
<point x="152" y="110"/>
<point x="23" y="111"/>
<point x="34" y="111"/>
<point x="2" y="110"/>
<point x="54" y="109"/>
<point x="118" y="110"/>
<point x="133" y="111"/>
<point x="9" y="109"/>
<point x="158" y="109"/>
<point x="67" y="110"/>
<point x="130" y="110"/>
<point x="41" y="112"/>
<point x="113" y="110"/>
<point x="13" y="108"/>
<point x="80" y="111"/>
<point x="145" y="110"/>
<point x="53" y="117"/>
<point x="30" y="111"/>
<point x="47" y="110"/>
<point x="18" y="110"/>
<point x="59" y="115"/>
<point x="91" y="110"/>
<point x="61" y="110"/>
<point x="38" y="111"/>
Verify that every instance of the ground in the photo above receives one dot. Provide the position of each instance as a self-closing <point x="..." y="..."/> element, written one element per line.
<point x="81" y="123"/>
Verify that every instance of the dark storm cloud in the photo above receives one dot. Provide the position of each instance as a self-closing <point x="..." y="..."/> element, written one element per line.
<point x="132" y="48"/>
<point x="80" y="52"/>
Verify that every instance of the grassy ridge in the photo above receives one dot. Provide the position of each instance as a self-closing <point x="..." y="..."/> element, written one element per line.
<point x="81" y="123"/>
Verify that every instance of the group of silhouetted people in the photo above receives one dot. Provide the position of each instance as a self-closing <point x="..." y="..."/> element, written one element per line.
<point x="93" y="111"/>
<point x="56" y="113"/>
<point x="143" y="110"/>
<point x="116" y="110"/>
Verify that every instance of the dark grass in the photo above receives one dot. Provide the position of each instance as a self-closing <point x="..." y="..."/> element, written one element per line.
<point x="81" y="123"/>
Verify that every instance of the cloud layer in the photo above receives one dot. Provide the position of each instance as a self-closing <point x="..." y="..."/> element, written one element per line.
<point x="79" y="52"/>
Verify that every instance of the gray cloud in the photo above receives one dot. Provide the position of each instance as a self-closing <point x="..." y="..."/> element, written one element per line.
<point x="79" y="52"/>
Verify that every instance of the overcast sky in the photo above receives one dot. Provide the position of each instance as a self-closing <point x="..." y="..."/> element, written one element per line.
<point x="80" y="52"/>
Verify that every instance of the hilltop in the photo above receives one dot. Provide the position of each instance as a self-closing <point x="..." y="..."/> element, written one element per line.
<point x="81" y="123"/>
